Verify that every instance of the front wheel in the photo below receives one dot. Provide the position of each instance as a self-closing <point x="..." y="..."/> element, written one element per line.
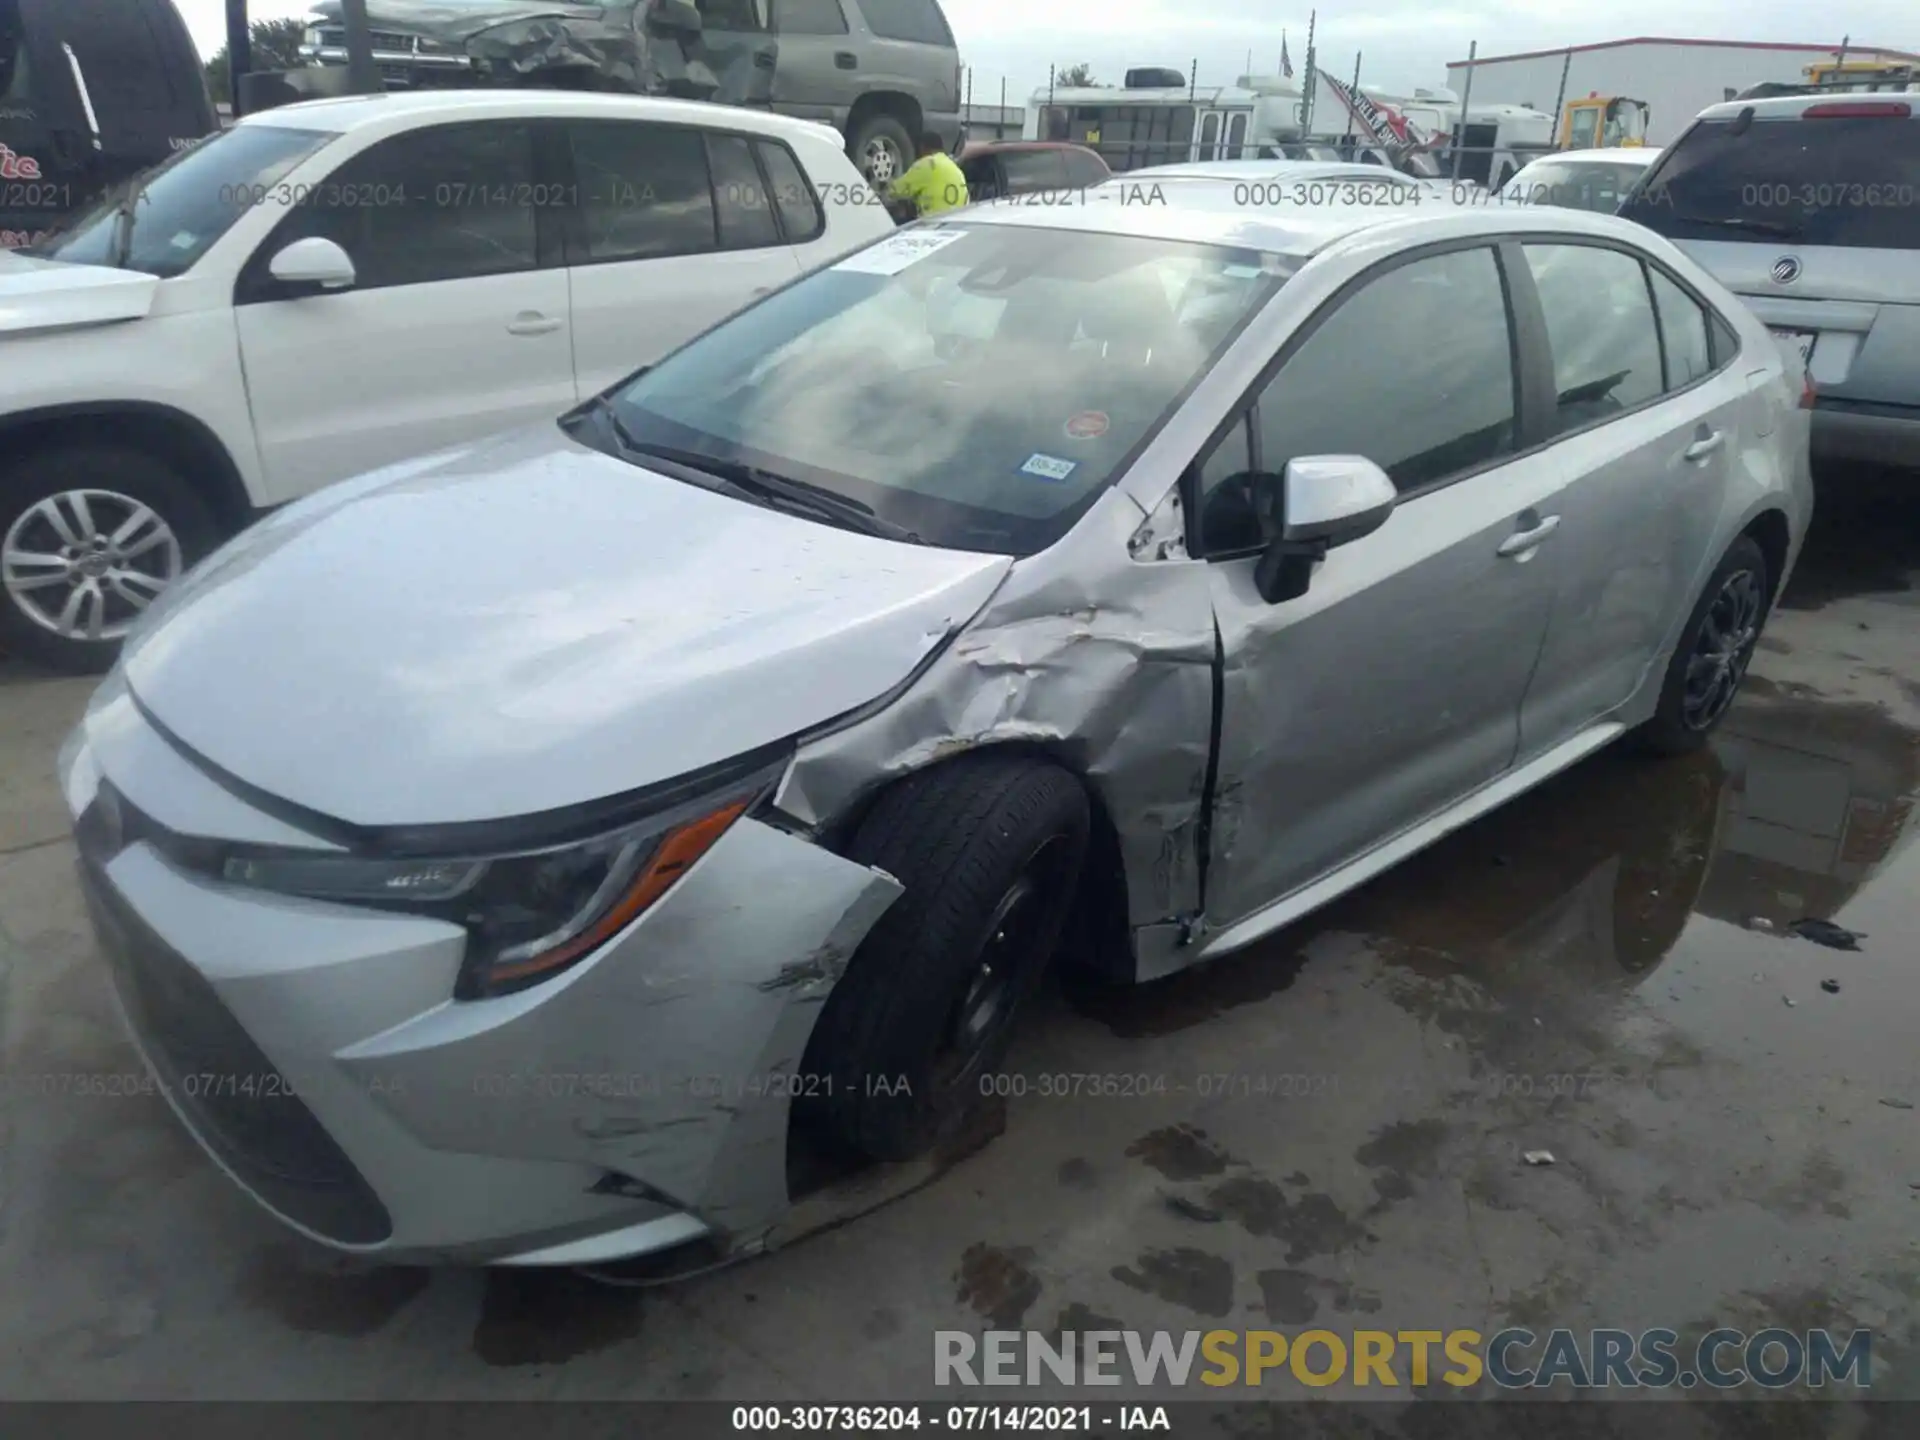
<point x="1714" y="651"/>
<point x="989" y="852"/>
<point x="90" y="535"/>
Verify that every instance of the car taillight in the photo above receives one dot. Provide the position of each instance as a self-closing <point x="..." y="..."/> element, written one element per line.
<point x="1858" y="110"/>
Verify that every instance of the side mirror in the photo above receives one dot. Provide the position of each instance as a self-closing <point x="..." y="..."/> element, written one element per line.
<point x="314" y="263"/>
<point x="1322" y="501"/>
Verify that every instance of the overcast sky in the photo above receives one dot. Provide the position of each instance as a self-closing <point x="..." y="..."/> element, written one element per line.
<point x="1404" y="43"/>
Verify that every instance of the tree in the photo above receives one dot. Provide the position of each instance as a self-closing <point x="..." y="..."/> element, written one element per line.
<point x="1076" y="77"/>
<point x="276" y="46"/>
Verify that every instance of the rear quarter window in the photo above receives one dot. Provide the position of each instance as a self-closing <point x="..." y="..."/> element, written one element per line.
<point x="916" y="20"/>
<point x="1852" y="181"/>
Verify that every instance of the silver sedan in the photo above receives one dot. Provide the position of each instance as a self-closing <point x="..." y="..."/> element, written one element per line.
<point x="504" y="856"/>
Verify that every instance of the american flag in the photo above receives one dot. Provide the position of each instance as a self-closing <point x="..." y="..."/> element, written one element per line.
<point x="1286" y="60"/>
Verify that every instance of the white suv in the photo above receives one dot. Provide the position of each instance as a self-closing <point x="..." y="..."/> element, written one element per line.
<point x="332" y="286"/>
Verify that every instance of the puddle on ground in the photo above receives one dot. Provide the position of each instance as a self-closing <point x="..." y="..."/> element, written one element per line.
<point x="323" y="1294"/>
<point x="997" y="1283"/>
<point x="1864" y="540"/>
<point x="548" y="1317"/>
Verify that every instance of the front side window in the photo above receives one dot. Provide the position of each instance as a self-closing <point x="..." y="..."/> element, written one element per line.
<point x="182" y="206"/>
<point x="1586" y="127"/>
<point x="645" y="192"/>
<point x="980" y="385"/>
<point x="1084" y="169"/>
<point x="1606" y="351"/>
<point x="1683" y="332"/>
<point x="450" y="202"/>
<point x="1414" y="371"/>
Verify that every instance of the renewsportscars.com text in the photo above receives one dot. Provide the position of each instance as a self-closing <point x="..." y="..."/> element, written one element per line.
<point x="1513" y="1359"/>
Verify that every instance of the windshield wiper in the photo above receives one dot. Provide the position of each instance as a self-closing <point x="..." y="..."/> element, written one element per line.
<point x="1777" y="228"/>
<point x="750" y="482"/>
<point x="123" y="222"/>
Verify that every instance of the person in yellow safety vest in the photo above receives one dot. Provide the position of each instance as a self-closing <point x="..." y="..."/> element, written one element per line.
<point x="933" y="183"/>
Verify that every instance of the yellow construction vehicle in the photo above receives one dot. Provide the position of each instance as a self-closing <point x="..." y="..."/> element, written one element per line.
<point x="1867" y="75"/>
<point x="1603" y="122"/>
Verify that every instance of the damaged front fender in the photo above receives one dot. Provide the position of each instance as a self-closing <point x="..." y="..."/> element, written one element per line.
<point x="1104" y="660"/>
<point x="672" y="1057"/>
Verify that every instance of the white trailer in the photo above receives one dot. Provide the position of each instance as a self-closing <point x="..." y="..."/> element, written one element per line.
<point x="1677" y="78"/>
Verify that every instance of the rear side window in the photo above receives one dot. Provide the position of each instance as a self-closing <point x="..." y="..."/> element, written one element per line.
<point x="746" y="209"/>
<point x="644" y="191"/>
<point x="917" y="20"/>
<point x="1825" y="181"/>
<point x="1606" y="351"/>
<point x="809" y="17"/>
<point x="1084" y="169"/>
<point x="1031" y="170"/>
<point x="793" y="196"/>
<point x="1683" y="333"/>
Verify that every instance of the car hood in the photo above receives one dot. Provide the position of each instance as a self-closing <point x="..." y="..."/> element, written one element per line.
<point x="39" y="295"/>
<point x="525" y="625"/>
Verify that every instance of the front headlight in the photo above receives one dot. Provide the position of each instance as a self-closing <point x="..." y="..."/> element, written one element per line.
<point x="528" y="915"/>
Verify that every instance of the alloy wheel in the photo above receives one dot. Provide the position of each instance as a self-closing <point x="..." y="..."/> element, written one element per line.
<point x="84" y="564"/>
<point x="1722" y="648"/>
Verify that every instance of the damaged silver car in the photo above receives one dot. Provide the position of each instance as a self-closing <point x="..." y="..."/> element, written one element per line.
<point x="505" y="856"/>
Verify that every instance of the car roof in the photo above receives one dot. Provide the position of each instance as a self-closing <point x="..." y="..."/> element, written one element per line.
<point x="1208" y="213"/>
<point x="345" y="113"/>
<point x="1641" y="155"/>
<point x="1789" y="107"/>
<point x="1274" y="170"/>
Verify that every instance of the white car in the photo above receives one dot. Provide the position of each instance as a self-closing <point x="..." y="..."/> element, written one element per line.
<point x="337" y="285"/>
<point x="1579" y="179"/>
<point x="1307" y="182"/>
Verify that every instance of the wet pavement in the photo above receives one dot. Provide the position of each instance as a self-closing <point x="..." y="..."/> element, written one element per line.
<point x="1326" y="1129"/>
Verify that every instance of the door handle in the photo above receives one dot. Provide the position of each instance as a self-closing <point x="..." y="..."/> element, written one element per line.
<point x="846" y="60"/>
<point x="1529" y="540"/>
<point x="1701" y="449"/>
<point x="532" y="324"/>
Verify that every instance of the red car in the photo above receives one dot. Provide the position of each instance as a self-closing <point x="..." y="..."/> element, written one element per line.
<point x="999" y="169"/>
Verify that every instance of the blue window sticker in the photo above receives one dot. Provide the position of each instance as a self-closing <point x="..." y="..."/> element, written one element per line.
<point x="1049" y="467"/>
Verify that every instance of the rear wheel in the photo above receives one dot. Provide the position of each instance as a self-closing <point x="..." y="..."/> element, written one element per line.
<point x="89" y="537"/>
<point x="988" y="851"/>
<point x="1714" y="651"/>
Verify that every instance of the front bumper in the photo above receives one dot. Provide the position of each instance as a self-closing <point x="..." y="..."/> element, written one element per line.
<point x="631" y="1104"/>
<point x="1870" y="434"/>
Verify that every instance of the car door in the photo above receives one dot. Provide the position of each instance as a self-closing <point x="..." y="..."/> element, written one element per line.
<point x="815" y="77"/>
<point x="674" y="230"/>
<point x="455" y="326"/>
<point x="1392" y="688"/>
<point x="1647" y="433"/>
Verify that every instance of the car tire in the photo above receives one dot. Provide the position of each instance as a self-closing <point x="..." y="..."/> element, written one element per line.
<point x="881" y="130"/>
<point x="1715" y="649"/>
<point x="68" y="505"/>
<point x="989" y="851"/>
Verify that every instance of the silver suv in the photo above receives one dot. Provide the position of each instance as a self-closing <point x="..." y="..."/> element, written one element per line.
<point x="881" y="72"/>
<point x="1808" y="207"/>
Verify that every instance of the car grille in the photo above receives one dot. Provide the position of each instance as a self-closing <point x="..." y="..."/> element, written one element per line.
<point x="392" y="40"/>
<point x="231" y="1095"/>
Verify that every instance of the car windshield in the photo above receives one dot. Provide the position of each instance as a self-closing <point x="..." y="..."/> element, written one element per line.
<point x="182" y="206"/>
<point x="978" y="385"/>
<point x="1577" y="185"/>
<point x="1825" y="180"/>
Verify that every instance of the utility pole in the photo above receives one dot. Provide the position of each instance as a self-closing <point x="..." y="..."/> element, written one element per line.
<point x="1466" y="101"/>
<point x="239" y="50"/>
<point x="1560" y="100"/>
<point x="362" y="77"/>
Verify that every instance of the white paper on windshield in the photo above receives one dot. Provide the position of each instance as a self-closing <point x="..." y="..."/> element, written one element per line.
<point x="897" y="252"/>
